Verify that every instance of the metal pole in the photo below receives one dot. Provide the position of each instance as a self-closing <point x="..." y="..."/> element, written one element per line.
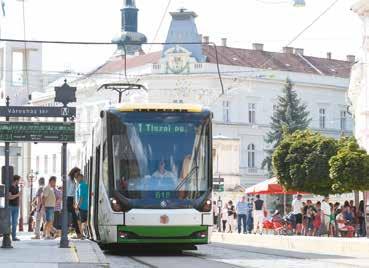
<point x="64" y="242"/>
<point x="30" y="229"/>
<point x="7" y="243"/>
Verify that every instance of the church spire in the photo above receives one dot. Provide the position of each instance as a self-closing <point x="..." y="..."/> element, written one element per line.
<point x="129" y="16"/>
<point x="130" y="35"/>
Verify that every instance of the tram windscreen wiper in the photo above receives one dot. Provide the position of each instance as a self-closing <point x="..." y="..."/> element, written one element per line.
<point x="183" y="181"/>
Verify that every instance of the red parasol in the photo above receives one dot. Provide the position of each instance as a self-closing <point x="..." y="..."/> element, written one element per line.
<point x="270" y="186"/>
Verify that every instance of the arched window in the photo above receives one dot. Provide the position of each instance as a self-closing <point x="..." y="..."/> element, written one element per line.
<point x="251" y="155"/>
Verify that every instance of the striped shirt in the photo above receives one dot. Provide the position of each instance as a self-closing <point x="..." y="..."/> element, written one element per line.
<point x="59" y="198"/>
<point x="242" y="208"/>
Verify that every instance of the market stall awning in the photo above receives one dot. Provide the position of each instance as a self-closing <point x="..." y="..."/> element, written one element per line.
<point x="270" y="186"/>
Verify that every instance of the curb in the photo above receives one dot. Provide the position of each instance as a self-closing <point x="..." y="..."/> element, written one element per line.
<point x="351" y="247"/>
<point x="88" y="254"/>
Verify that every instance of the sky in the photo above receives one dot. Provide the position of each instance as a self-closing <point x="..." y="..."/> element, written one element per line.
<point x="242" y="22"/>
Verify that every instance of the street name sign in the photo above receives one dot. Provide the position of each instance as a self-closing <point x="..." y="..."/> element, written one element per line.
<point x="37" y="131"/>
<point x="37" y="111"/>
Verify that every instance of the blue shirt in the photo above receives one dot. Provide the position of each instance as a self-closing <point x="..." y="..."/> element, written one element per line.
<point x="82" y="192"/>
<point x="242" y="208"/>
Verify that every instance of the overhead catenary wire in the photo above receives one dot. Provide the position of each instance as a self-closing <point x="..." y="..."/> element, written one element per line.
<point x="160" y="23"/>
<point x="325" y="11"/>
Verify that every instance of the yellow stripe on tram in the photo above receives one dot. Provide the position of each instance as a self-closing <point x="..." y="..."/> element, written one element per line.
<point x="160" y="107"/>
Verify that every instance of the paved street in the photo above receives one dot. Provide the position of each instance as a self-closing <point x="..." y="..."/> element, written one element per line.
<point x="220" y="255"/>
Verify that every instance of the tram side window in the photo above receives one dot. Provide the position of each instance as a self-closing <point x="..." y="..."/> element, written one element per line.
<point x="105" y="168"/>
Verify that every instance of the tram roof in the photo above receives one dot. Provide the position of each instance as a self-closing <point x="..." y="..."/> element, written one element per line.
<point x="161" y="107"/>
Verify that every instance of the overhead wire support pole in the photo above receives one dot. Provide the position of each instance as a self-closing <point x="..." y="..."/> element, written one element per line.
<point x="64" y="242"/>
<point x="7" y="243"/>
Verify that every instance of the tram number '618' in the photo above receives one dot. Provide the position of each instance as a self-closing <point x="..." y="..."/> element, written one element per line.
<point x="162" y="195"/>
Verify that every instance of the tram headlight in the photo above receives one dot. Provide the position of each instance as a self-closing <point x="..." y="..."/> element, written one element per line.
<point x="123" y="235"/>
<point x="207" y="206"/>
<point x="201" y="234"/>
<point x="115" y="205"/>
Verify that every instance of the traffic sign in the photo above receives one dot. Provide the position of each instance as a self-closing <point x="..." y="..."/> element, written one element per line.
<point x="37" y="131"/>
<point x="37" y="111"/>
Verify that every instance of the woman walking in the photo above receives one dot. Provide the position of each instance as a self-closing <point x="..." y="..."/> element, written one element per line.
<point x="224" y="217"/>
<point x="71" y="190"/>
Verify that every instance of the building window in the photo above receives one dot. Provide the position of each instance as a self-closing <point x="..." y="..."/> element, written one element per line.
<point x="252" y="113"/>
<point x="46" y="164"/>
<point x="343" y="119"/>
<point x="1" y="64"/>
<point x="226" y="111"/>
<point x="37" y="163"/>
<point x="322" y="118"/>
<point x="251" y="155"/>
<point x="54" y="163"/>
<point x="18" y="68"/>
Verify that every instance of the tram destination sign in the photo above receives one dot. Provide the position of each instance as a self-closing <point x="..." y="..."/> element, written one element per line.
<point x="37" y="111"/>
<point x="37" y="131"/>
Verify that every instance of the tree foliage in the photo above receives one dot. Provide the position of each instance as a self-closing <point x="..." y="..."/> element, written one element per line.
<point x="289" y="116"/>
<point x="349" y="169"/>
<point x="301" y="162"/>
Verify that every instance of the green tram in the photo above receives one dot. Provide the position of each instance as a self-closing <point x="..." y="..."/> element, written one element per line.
<point x="149" y="168"/>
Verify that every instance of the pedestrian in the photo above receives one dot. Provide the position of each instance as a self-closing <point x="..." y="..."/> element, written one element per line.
<point x="317" y="222"/>
<point x="242" y="210"/>
<point x="326" y="215"/>
<point x="57" y="212"/>
<point x="81" y="204"/>
<point x="71" y="190"/>
<point x="309" y="214"/>
<point x="259" y="210"/>
<point x="40" y="209"/>
<point x="297" y="208"/>
<point x="231" y="216"/>
<point x="224" y="217"/>
<point x="14" y="196"/>
<point x="361" y="218"/>
<point x="344" y="228"/>
<point x="215" y="215"/>
<point x="250" y="219"/>
<point x="49" y="200"/>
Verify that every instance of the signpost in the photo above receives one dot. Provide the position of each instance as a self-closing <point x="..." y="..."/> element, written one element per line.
<point x="63" y="132"/>
<point x="37" y="111"/>
<point x="37" y="131"/>
<point x="65" y="94"/>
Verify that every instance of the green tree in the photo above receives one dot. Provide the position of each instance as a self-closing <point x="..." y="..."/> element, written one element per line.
<point x="301" y="162"/>
<point x="289" y="116"/>
<point x="349" y="169"/>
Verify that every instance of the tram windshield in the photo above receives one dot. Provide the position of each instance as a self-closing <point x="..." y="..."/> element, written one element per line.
<point x="160" y="155"/>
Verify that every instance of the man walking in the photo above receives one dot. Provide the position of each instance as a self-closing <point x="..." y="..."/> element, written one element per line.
<point x="258" y="208"/>
<point x="326" y="214"/>
<point x="40" y="209"/>
<point x="14" y="195"/>
<point x="297" y="208"/>
<point x="242" y="210"/>
<point x="49" y="201"/>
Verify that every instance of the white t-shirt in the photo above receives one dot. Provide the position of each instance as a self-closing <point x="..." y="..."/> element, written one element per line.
<point x="297" y="206"/>
<point x="326" y="208"/>
<point x="71" y="187"/>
